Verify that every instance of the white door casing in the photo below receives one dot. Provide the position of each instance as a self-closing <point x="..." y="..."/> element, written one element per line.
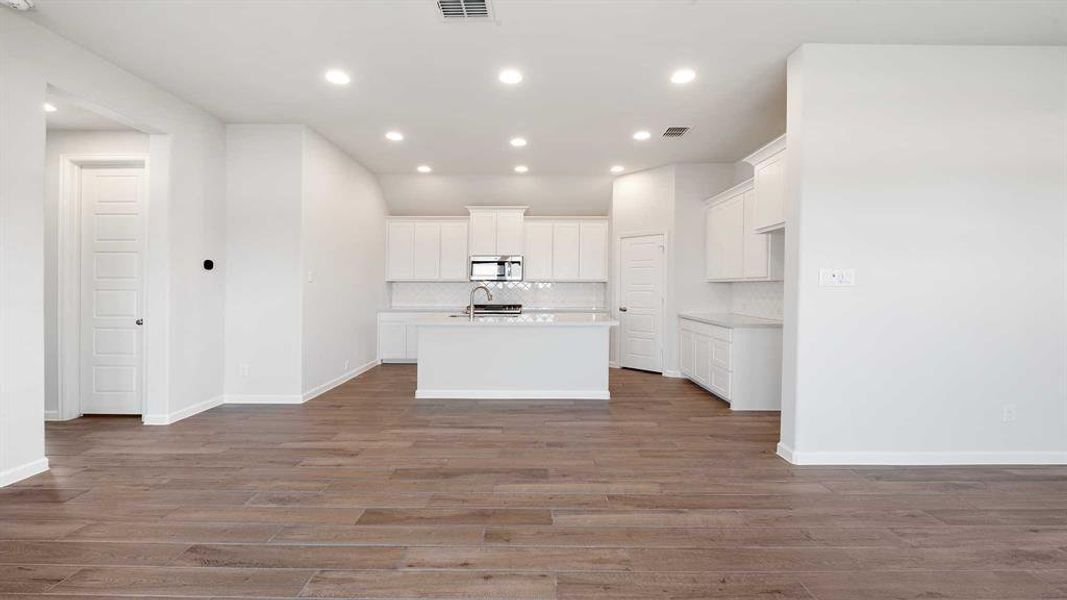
<point x="642" y="269"/>
<point x="112" y="290"/>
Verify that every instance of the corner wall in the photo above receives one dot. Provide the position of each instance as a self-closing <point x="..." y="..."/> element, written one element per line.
<point x="940" y="175"/>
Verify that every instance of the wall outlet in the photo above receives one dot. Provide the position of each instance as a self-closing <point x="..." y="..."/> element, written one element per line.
<point x="1009" y="413"/>
<point x="311" y="276"/>
<point x="243" y="369"/>
<point x="346" y="365"/>
<point x="837" y="277"/>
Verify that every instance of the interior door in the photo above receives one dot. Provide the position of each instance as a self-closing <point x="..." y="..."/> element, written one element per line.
<point x="641" y="302"/>
<point x="112" y="296"/>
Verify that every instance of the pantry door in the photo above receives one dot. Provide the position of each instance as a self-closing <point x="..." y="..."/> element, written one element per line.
<point x="641" y="302"/>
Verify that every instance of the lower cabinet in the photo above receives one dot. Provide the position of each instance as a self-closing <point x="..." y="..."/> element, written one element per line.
<point x="743" y="366"/>
<point x="398" y="336"/>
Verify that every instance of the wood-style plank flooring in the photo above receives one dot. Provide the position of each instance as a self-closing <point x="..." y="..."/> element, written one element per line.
<point x="367" y="493"/>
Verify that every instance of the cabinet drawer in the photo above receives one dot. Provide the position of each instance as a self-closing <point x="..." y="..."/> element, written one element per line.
<point x="720" y="354"/>
<point x="720" y="382"/>
<point x="712" y="331"/>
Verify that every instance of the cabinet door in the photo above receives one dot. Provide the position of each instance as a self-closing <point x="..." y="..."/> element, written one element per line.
<point x="411" y="333"/>
<point x="685" y="353"/>
<point x="455" y="261"/>
<point x="400" y="259"/>
<point x="392" y="340"/>
<point x="566" y="246"/>
<point x="427" y="251"/>
<point x="702" y="358"/>
<point x="769" y="184"/>
<point x="725" y="240"/>
<point x="483" y="233"/>
<point x="593" y="253"/>
<point x="537" y="260"/>
<point x="509" y="232"/>
<point x="755" y="244"/>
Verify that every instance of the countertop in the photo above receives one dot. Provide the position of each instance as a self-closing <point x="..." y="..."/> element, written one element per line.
<point x="730" y="320"/>
<point x="543" y="319"/>
<point x="459" y="309"/>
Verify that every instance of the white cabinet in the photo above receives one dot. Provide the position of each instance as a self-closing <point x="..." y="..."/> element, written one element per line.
<point x="398" y="336"/>
<point x="426" y="249"/>
<point x="741" y="365"/>
<point x="496" y="230"/>
<point x="566" y="246"/>
<point x="593" y="254"/>
<point x="771" y="199"/>
<point x="734" y="251"/>
<point x="566" y="249"/>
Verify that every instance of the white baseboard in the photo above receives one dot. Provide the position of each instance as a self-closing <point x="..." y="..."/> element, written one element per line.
<point x="23" y="471"/>
<point x="184" y="413"/>
<point x="514" y="394"/>
<point x="329" y="385"/>
<point x="674" y="374"/>
<point x="614" y="365"/>
<point x="263" y="399"/>
<point x="53" y="415"/>
<point x="922" y="458"/>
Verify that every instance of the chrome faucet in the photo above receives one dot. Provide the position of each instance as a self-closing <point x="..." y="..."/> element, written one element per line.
<point x="488" y="298"/>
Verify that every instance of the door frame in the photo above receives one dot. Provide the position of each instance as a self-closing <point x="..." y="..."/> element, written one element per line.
<point x="617" y="299"/>
<point x="68" y="330"/>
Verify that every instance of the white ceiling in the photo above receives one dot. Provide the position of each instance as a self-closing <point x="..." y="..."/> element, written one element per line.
<point x="71" y="116"/>
<point x="595" y="70"/>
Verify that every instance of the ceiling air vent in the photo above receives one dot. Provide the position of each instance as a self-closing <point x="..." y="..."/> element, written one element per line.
<point x="674" y="132"/>
<point x="464" y="9"/>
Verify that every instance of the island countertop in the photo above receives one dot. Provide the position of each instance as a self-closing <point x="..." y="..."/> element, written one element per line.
<point x="564" y="319"/>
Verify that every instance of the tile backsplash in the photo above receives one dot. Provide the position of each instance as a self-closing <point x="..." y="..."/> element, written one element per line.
<point x="529" y="294"/>
<point x="758" y="299"/>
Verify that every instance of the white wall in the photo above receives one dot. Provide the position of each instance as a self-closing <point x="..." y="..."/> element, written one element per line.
<point x="670" y="199"/>
<point x="940" y="175"/>
<point x="59" y="143"/>
<point x="183" y="320"/>
<point x="433" y="194"/>
<point x="263" y="294"/>
<point x="343" y="253"/>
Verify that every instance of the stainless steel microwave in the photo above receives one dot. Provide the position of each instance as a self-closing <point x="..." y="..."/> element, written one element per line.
<point x="496" y="268"/>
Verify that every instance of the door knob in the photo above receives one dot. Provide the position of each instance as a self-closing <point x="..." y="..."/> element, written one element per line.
<point x="139" y="321"/>
<point x="622" y="309"/>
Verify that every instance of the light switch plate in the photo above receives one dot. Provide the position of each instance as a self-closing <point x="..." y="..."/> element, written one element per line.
<point x="837" y="277"/>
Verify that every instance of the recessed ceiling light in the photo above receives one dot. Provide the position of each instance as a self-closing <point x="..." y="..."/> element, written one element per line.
<point x="617" y="169"/>
<point x="518" y="142"/>
<point x="521" y="168"/>
<point x="395" y="136"/>
<point x="510" y="76"/>
<point x="50" y="107"/>
<point x="338" y="77"/>
<point x="424" y="169"/>
<point x="682" y="76"/>
<point x="642" y="135"/>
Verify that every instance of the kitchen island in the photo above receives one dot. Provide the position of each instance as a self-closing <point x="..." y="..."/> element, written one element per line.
<point x="532" y="356"/>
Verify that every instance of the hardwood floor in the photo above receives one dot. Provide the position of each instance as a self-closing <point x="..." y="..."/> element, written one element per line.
<point x="368" y="493"/>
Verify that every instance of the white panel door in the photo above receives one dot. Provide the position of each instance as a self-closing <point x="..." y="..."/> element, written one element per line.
<point x="755" y="244"/>
<point x="566" y="246"/>
<point x="455" y="261"/>
<point x="427" y="252"/>
<point x="112" y="296"/>
<point x="685" y="352"/>
<point x="593" y="255"/>
<point x="641" y="302"/>
<point x="537" y="260"/>
<point x="509" y="232"/>
<point x="400" y="237"/>
<point x="702" y="359"/>
<point x="483" y="233"/>
<point x="392" y="340"/>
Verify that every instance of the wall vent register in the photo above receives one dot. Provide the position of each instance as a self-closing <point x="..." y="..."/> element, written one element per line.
<point x="464" y="9"/>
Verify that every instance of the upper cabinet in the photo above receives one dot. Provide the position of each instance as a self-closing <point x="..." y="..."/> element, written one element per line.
<point x="771" y="209"/>
<point x="566" y="249"/>
<point x="734" y="251"/>
<point x="496" y="230"/>
<point x="426" y="249"/>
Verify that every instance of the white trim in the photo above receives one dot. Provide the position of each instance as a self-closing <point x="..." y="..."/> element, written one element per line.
<point x="68" y="305"/>
<point x="725" y="195"/>
<point x="23" y="472"/>
<point x="514" y="394"/>
<point x="184" y="413"/>
<point x="766" y="151"/>
<point x="922" y="458"/>
<point x="329" y="385"/>
<point x="673" y="374"/>
<point x="614" y="364"/>
<point x="264" y="399"/>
